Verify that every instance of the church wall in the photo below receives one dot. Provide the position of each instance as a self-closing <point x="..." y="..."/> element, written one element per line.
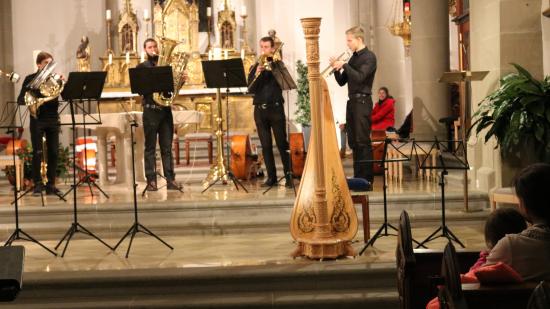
<point x="545" y="21"/>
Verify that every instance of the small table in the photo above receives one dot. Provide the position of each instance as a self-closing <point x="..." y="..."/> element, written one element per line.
<point x="503" y="195"/>
<point x="7" y="160"/>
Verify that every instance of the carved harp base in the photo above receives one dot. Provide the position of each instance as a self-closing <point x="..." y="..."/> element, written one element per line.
<point x="319" y="250"/>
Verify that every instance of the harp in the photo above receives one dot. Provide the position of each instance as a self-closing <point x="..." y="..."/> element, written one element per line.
<point x="323" y="220"/>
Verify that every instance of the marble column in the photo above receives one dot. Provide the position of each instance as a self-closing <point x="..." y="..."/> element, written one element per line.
<point x="502" y="31"/>
<point x="6" y="57"/>
<point x="430" y="58"/>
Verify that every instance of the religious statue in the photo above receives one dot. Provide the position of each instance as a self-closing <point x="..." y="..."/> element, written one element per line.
<point x="227" y="36"/>
<point x="83" y="55"/>
<point x="273" y="34"/>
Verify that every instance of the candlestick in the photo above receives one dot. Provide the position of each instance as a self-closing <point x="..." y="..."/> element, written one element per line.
<point x="109" y="45"/>
<point x="245" y="32"/>
<point x="209" y="24"/>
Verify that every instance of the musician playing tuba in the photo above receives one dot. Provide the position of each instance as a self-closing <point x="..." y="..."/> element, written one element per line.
<point x="44" y="122"/>
<point x="266" y="80"/>
<point x="157" y="121"/>
<point x="358" y="73"/>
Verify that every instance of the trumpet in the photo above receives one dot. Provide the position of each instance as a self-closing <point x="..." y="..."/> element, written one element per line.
<point x="329" y="70"/>
<point x="12" y="77"/>
<point x="266" y="60"/>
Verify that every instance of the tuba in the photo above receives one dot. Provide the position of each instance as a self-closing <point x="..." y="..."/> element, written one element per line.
<point x="46" y="84"/>
<point x="178" y="62"/>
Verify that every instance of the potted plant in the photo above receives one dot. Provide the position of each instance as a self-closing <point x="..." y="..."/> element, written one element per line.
<point x="517" y="114"/>
<point x="303" y="109"/>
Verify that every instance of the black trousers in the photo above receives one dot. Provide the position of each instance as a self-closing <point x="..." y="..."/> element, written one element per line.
<point x="272" y="118"/>
<point x="50" y="129"/>
<point x="158" y="122"/>
<point x="358" y="127"/>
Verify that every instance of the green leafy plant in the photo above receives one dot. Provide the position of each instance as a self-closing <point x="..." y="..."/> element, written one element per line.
<point x="303" y="111"/>
<point x="517" y="114"/>
<point x="64" y="162"/>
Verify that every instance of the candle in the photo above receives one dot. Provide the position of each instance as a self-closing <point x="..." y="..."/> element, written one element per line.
<point x="127" y="57"/>
<point x="217" y="53"/>
<point x="108" y="14"/>
<point x="208" y="11"/>
<point x="210" y="55"/>
<point x="146" y="14"/>
<point x="242" y="53"/>
<point x="222" y="7"/>
<point x="110" y="58"/>
<point x="142" y="57"/>
<point x="243" y="10"/>
<point x="225" y="54"/>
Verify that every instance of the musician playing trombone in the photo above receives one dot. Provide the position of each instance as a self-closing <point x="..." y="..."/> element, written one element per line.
<point x="266" y="80"/>
<point x="44" y="123"/>
<point x="358" y="73"/>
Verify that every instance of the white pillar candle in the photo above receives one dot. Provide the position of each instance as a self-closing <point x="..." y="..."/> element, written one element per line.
<point x="225" y="54"/>
<point x="127" y="57"/>
<point x="242" y="53"/>
<point x="108" y="14"/>
<point x="142" y="56"/>
<point x="217" y="53"/>
<point x="146" y="14"/>
<point x="110" y="58"/>
<point x="210" y="55"/>
<point x="208" y="11"/>
<point x="243" y="10"/>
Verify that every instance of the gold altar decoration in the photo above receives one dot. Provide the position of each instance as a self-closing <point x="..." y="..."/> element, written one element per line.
<point x="227" y="26"/>
<point x="127" y="30"/>
<point x="399" y="22"/>
<point x="323" y="219"/>
<point x="117" y="69"/>
<point x="83" y="55"/>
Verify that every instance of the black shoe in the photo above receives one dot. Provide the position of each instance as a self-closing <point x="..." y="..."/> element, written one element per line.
<point x="270" y="182"/>
<point x="289" y="182"/>
<point x="52" y="190"/>
<point x="173" y="185"/>
<point x="152" y="186"/>
<point x="37" y="191"/>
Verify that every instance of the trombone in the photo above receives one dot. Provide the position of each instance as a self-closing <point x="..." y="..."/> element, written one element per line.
<point x="266" y="60"/>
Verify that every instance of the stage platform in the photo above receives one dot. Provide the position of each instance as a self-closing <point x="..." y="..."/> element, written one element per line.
<point x="231" y="248"/>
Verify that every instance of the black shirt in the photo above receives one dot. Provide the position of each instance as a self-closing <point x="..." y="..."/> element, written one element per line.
<point x="266" y="90"/>
<point x="358" y="73"/>
<point x="47" y="110"/>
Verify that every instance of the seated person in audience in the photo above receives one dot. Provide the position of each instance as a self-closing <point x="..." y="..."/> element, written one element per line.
<point x="383" y="112"/>
<point x="529" y="251"/>
<point x="500" y="223"/>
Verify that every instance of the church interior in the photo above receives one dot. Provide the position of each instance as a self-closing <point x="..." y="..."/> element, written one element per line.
<point x="274" y="154"/>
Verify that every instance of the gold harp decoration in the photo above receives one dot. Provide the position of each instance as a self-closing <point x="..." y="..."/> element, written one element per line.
<point x="323" y="219"/>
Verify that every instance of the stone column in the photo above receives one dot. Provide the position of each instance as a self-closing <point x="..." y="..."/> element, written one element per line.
<point x="6" y="57"/>
<point x="502" y="31"/>
<point x="430" y="58"/>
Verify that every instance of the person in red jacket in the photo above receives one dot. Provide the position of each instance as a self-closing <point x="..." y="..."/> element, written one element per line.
<point x="383" y="113"/>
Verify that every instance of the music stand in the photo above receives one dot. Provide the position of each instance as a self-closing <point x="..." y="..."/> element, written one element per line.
<point x="459" y="164"/>
<point x="80" y="86"/>
<point x="85" y="85"/>
<point x="383" y="230"/>
<point x="144" y="81"/>
<point x="18" y="233"/>
<point x="223" y="74"/>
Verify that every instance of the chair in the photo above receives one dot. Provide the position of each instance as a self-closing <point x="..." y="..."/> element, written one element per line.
<point x="361" y="197"/>
<point x="404" y="256"/>
<point x="450" y="293"/>
<point x="540" y="299"/>
<point x="198" y="137"/>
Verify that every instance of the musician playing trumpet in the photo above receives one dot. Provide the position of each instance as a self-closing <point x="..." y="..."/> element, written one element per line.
<point x="266" y="80"/>
<point x="358" y="73"/>
<point x="44" y="122"/>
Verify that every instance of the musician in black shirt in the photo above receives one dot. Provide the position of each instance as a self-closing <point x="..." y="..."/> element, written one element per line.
<point x="44" y="124"/>
<point x="269" y="113"/>
<point x="358" y="73"/>
<point x="157" y="122"/>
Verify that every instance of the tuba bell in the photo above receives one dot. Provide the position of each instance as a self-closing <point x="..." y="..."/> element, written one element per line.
<point x="178" y="62"/>
<point x="47" y="84"/>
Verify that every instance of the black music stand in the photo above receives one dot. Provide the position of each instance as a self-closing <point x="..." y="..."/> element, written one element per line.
<point x="383" y="230"/>
<point x="457" y="164"/>
<point x="80" y="86"/>
<point x="225" y="74"/>
<point x="18" y="233"/>
<point x="144" y="81"/>
<point x="85" y="85"/>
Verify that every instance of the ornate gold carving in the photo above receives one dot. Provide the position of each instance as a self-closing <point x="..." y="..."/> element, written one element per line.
<point x="127" y="30"/>
<point x="227" y="26"/>
<point x="340" y="219"/>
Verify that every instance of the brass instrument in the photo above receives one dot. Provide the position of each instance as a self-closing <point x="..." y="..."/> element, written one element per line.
<point x="12" y="77"/>
<point x="46" y="83"/>
<point x="323" y="221"/>
<point x="329" y="70"/>
<point x="266" y="60"/>
<point x="178" y="62"/>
